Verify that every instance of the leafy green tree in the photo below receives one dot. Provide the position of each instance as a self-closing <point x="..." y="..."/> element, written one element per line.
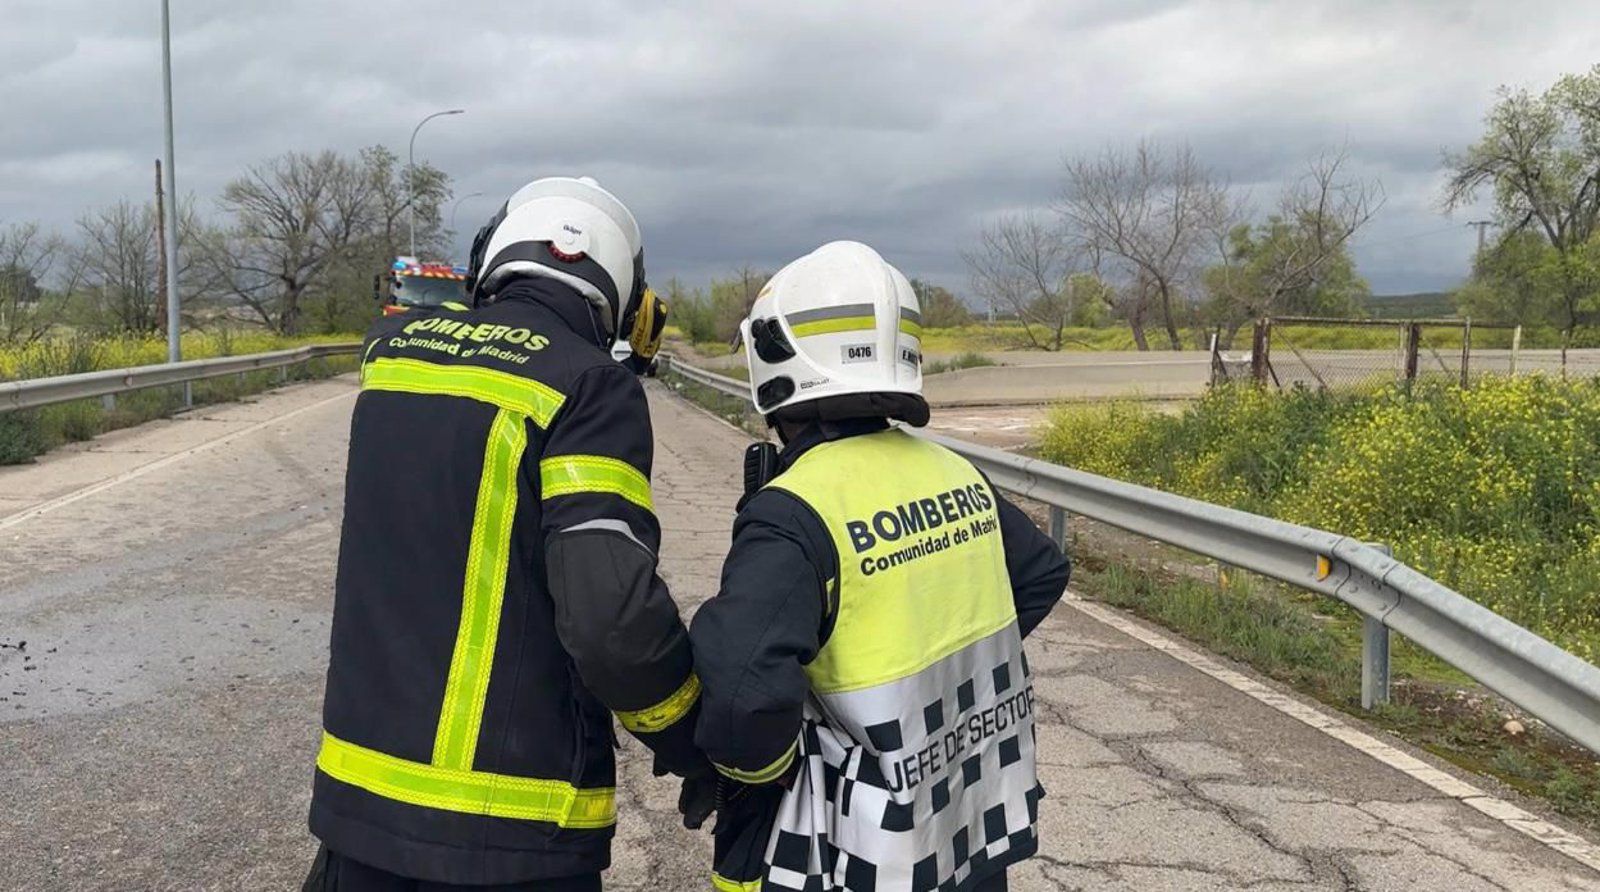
<point x="1510" y="283"/>
<point x="1297" y="261"/>
<point x="1539" y="158"/>
<point x="940" y="308"/>
<point x="1090" y="300"/>
<point x="690" y="310"/>
<point x="1251" y="282"/>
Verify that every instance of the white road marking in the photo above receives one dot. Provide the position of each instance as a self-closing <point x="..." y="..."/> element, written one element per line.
<point x="158" y="464"/>
<point x="1569" y="844"/>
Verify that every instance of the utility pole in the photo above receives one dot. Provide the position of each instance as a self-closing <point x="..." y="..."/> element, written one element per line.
<point x="161" y="243"/>
<point x="170" y="217"/>
<point x="1483" y="226"/>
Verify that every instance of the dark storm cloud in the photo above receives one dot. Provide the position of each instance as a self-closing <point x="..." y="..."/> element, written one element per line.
<point x="751" y="131"/>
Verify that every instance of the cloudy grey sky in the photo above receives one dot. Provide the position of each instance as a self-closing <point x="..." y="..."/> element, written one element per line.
<point x="750" y="131"/>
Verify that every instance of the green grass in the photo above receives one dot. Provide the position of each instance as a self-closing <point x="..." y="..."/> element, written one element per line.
<point x="1235" y="619"/>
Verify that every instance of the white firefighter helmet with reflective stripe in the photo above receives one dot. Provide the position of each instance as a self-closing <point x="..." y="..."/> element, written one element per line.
<point x="837" y="322"/>
<point x="571" y="230"/>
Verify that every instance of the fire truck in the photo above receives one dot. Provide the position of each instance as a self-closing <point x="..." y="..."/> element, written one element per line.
<point x="411" y="283"/>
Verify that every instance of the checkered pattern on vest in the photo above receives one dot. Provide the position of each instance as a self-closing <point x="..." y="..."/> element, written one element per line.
<point x="858" y="819"/>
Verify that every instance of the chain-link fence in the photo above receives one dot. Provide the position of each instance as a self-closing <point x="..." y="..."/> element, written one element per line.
<point x="1368" y="354"/>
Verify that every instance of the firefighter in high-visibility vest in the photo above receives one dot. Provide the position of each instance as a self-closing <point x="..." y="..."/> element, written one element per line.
<point x="865" y="693"/>
<point x="497" y="600"/>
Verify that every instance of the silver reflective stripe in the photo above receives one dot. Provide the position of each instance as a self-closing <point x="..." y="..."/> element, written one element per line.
<point x="848" y="311"/>
<point x="910" y="315"/>
<point x="615" y="526"/>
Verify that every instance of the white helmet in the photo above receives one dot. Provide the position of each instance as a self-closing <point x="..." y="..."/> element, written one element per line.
<point x="839" y="321"/>
<point x="568" y="229"/>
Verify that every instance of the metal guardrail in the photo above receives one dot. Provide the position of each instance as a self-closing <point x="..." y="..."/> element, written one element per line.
<point x="1539" y="677"/>
<point x="110" y="382"/>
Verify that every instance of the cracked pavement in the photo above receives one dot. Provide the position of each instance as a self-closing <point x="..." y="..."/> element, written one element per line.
<point x="164" y="642"/>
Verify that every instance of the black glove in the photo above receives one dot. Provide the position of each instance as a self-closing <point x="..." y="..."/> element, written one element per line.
<point x="698" y="799"/>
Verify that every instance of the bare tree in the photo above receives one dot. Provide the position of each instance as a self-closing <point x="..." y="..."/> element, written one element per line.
<point x="1020" y="267"/>
<point x="301" y="223"/>
<point x="27" y="257"/>
<point x="115" y="266"/>
<point x="1149" y="213"/>
<point x="396" y="189"/>
<point x="292" y="218"/>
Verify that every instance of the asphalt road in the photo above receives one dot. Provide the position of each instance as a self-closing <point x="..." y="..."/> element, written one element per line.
<point x="164" y="617"/>
<point x="1034" y="377"/>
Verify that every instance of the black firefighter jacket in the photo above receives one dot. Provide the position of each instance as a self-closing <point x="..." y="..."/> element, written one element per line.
<point x="497" y="599"/>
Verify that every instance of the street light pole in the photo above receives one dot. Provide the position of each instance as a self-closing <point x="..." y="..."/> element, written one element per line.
<point x="411" y="171"/>
<point x="457" y="206"/>
<point x="170" y="217"/>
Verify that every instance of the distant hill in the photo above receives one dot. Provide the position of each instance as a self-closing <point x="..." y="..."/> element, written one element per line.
<point x="1422" y="305"/>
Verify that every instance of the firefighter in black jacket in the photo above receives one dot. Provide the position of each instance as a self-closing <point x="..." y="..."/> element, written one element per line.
<point x="866" y="694"/>
<point x="497" y="599"/>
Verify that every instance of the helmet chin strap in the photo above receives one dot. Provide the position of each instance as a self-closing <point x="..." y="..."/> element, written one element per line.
<point x="594" y="322"/>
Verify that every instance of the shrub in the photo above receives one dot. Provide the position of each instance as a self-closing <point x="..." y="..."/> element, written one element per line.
<point x="1494" y="491"/>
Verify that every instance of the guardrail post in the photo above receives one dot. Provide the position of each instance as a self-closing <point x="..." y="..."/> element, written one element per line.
<point x="1058" y="526"/>
<point x="1374" y="663"/>
<point x="188" y="394"/>
<point x="109" y="402"/>
<point x="1375" y="656"/>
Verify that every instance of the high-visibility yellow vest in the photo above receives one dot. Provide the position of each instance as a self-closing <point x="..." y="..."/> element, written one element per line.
<point x="918" y="751"/>
<point x="922" y="571"/>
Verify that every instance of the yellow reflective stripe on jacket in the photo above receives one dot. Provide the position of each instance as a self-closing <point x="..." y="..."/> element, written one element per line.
<point x="910" y="328"/>
<point x="830" y="326"/>
<point x="722" y="884"/>
<point x="469" y="792"/>
<point x="461" y="715"/>
<point x="514" y="393"/>
<point x="763" y="775"/>
<point x="665" y="714"/>
<point x="565" y="475"/>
